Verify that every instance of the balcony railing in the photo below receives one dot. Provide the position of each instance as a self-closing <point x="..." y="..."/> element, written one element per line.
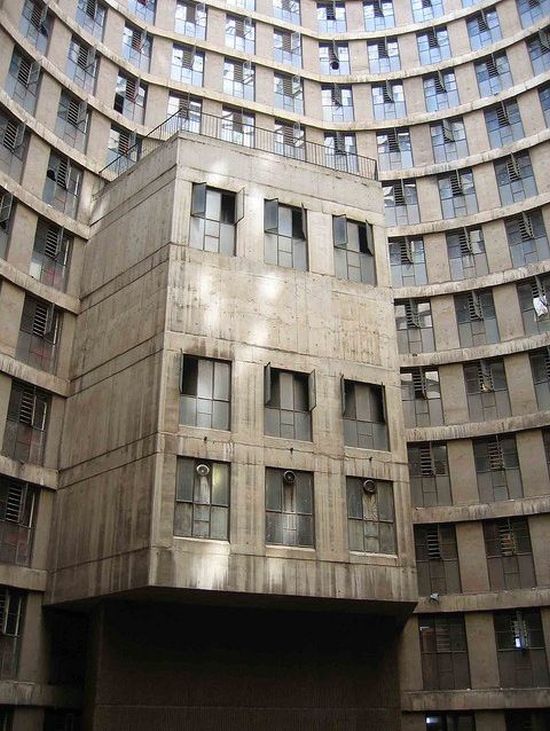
<point x="248" y="136"/>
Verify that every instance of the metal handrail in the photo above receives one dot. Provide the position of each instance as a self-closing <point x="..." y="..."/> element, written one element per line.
<point x="289" y="145"/>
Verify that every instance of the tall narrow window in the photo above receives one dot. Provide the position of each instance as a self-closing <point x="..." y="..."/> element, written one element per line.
<point x="36" y="24"/>
<point x="466" y="253"/>
<point x="540" y="367"/>
<point x="238" y="127"/>
<point x="509" y="554"/>
<point x="426" y="10"/>
<point x="214" y="217"/>
<point x="394" y="149"/>
<point x="504" y="124"/>
<point x="534" y="298"/>
<point x="371" y="515"/>
<point x="408" y="262"/>
<point x="289" y="400"/>
<point x="90" y="14"/>
<point x="287" y="47"/>
<point x="388" y="100"/>
<point x="25" y="432"/>
<point x="353" y="250"/>
<point x="72" y="120"/>
<point x="14" y="141"/>
<point x="383" y="55"/>
<point x="188" y="111"/>
<point x="240" y="34"/>
<point x="331" y="17"/>
<point x="289" y="140"/>
<point x="515" y="178"/>
<point x="457" y="193"/>
<point x="123" y="148"/>
<point x="364" y="414"/>
<point x="444" y="652"/>
<point x="205" y="392"/>
<point x="285" y="235"/>
<point x="378" y="14"/>
<point x="334" y="58"/>
<point x="497" y="468"/>
<point x="483" y="28"/>
<point x="39" y="334"/>
<point x="202" y="499"/>
<point x="520" y="649"/>
<point x="401" y="203"/>
<point x="437" y="559"/>
<point x="429" y="474"/>
<point x="7" y="210"/>
<point x="486" y="389"/>
<point x="136" y="46"/>
<point x="23" y="80"/>
<point x="12" y="604"/>
<point x="50" y="255"/>
<point x="421" y="397"/>
<point x="449" y="141"/>
<point x="187" y="65"/>
<point x="62" y="184"/>
<point x="130" y="95"/>
<point x="17" y="510"/>
<point x="288" y="10"/>
<point x="476" y="318"/>
<point x="238" y="78"/>
<point x="289" y="508"/>
<point x="441" y="91"/>
<point x="527" y="238"/>
<point x="288" y="93"/>
<point x="415" y="332"/>
<point x="190" y="19"/>
<point x="530" y="12"/>
<point x="337" y="103"/>
<point x="341" y="151"/>
<point x="144" y="9"/>
<point x="82" y="64"/>
<point x="433" y="45"/>
<point x="539" y="51"/>
<point x="493" y="74"/>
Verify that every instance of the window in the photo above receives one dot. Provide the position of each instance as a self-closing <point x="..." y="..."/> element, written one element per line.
<point x="289" y="140"/>
<point x="515" y="178"/>
<point x="466" y="253"/>
<point x="527" y="720"/>
<point x="388" y="100"/>
<point x="531" y="11"/>
<point x="82" y="64"/>
<point x="401" y="203"/>
<point x="237" y="127"/>
<point x="540" y="367"/>
<point x="383" y="55"/>
<point x="206" y="392"/>
<point x="39" y="334"/>
<point x="202" y="499"/>
<point x="483" y="28"/>
<point x="12" y="603"/>
<point x="337" y="103"/>
<point x="486" y="389"/>
<point x="61" y="720"/>
<point x="533" y="297"/>
<point x="493" y="74"/>
<point x="62" y="184"/>
<point x="364" y="414"/>
<point x="289" y="508"/>
<point x="520" y="649"/>
<point x="476" y="318"/>
<point x="433" y="45"/>
<point x="341" y="151"/>
<point x="190" y="19"/>
<point x="187" y="65"/>
<point x="371" y="515"/>
<point x="244" y="4"/>
<point x="426" y="10"/>
<point x="240" y="34"/>
<point x="50" y="256"/>
<point x="144" y="9"/>
<point x="7" y="209"/>
<point x="509" y="554"/>
<point x="457" y="193"/>
<point x="544" y="96"/>
<point x="331" y="17"/>
<point x="285" y="230"/>
<point x="440" y="91"/>
<point x="407" y="261"/>
<point x="378" y="14"/>
<point x="23" y="80"/>
<point x="90" y="15"/>
<point x="287" y="47"/>
<point x="214" y="217"/>
<point x="503" y="123"/>
<point x="437" y="559"/>
<point x="136" y="47"/>
<point x="527" y="237"/>
<point x="334" y="58"/>
<point x="130" y="97"/>
<point x="72" y="120"/>
<point x="36" y="24"/>
<point x="188" y="111"/>
<point x="14" y="141"/>
<point x="289" y="400"/>
<point x="497" y="468"/>
<point x="25" y="432"/>
<point x="394" y="149"/>
<point x="288" y="93"/>
<point x="288" y="10"/>
<point x="238" y="79"/>
<point x="415" y="332"/>
<point x="451" y="721"/>
<point x="6" y="718"/>
<point x="17" y="507"/>
<point x="539" y="51"/>
<point x="429" y="474"/>
<point x="353" y="250"/>
<point x="444" y="652"/>
<point x="421" y="397"/>
<point x="123" y="147"/>
<point x="449" y="140"/>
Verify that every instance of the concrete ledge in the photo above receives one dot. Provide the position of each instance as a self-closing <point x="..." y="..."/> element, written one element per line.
<point x="475" y="699"/>
<point x="487" y="601"/>
<point x="43" y="476"/>
<point x="471" y="430"/>
<point x="16" y="692"/>
<point x="482" y="511"/>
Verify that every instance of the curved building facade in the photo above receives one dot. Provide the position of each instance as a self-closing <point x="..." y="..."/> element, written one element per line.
<point x="274" y="331"/>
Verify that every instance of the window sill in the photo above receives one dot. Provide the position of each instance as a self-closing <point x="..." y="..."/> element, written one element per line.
<point x="302" y="553"/>
<point x="379" y="559"/>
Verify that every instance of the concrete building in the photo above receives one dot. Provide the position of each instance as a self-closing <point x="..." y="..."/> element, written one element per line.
<point x="274" y="365"/>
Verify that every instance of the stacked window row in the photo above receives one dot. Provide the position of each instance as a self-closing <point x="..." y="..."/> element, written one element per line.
<point x="496" y="464"/>
<point x="203" y="499"/>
